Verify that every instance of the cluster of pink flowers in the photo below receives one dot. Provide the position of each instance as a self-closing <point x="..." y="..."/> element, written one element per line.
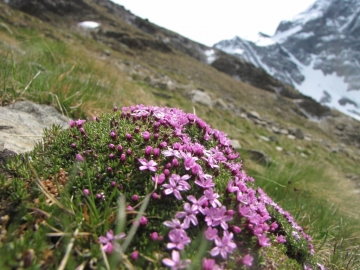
<point x="189" y="171"/>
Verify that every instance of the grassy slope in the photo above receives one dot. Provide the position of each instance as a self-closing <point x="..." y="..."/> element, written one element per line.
<point x="79" y="79"/>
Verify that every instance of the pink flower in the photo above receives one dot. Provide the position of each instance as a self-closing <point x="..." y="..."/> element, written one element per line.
<point x="147" y="165"/>
<point x="205" y="181"/>
<point x="189" y="160"/>
<point x="159" y="179"/>
<point x="177" y="184"/>
<point x="209" y="264"/>
<point x="211" y="233"/>
<point x="212" y="197"/>
<point x="189" y="214"/>
<point x="224" y="245"/>
<point x="109" y="241"/>
<point x="176" y="224"/>
<point x="247" y="260"/>
<point x="175" y="263"/>
<point x="79" y="158"/>
<point x="178" y="239"/>
<point x="79" y="123"/>
<point x="263" y="241"/>
<point x="280" y="239"/>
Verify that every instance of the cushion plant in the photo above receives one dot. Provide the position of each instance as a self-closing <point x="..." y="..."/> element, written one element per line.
<point x="147" y="187"/>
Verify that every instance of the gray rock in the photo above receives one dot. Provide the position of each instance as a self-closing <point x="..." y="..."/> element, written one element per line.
<point x="221" y="104"/>
<point x="275" y="130"/>
<point x="243" y="115"/>
<point x="266" y="139"/>
<point x="22" y="124"/>
<point x="284" y="131"/>
<point x="278" y="148"/>
<point x="291" y="137"/>
<point x="274" y="138"/>
<point x="253" y="114"/>
<point x="259" y="157"/>
<point x="259" y="122"/>
<point x="298" y="134"/>
<point x="201" y="97"/>
<point x="236" y="144"/>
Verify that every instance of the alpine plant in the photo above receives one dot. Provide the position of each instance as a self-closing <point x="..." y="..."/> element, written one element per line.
<point x="199" y="195"/>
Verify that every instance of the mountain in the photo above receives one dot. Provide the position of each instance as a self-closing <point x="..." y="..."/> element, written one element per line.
<point x="172" y="65"/>
<point x="318" y="53"/>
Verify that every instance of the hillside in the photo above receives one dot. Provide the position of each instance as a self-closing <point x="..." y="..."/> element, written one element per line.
<point x="48" y="58"/>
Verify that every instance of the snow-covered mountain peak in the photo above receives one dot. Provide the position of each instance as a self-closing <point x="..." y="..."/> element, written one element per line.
<point x="317" y="52"/>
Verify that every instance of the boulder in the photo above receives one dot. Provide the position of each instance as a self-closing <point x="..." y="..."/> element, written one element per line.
<point x="201" y="97"/>
<point x="22" y="124"/>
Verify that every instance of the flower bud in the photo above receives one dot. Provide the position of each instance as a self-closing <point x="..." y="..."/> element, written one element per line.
<point x="128" y="137"/>
<point x="113" y="135"/>
<point x="79" y="158"/>
<point x="156" y="152"/>
<point x="175" y="162"/>
<point x="143" y="221"/>
<point x="148" y="150"/>
<point x="135" y="255"/>
<point x="146" y="135"/>
<point x="162" y="145"/>
<point x="120" y="148"/>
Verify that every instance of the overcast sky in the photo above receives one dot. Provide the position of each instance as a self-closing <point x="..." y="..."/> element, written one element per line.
<point x="209" y="21"/>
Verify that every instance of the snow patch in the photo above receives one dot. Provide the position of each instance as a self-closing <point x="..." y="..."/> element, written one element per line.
<point x="264" y="41"/>
<point x="316" y="83"/>
<point x="89" y="24"/>
<point x="210" y="56"/>
<point x="304" y="35"/>
<point x="314" y="12"/>
<point x="280" y="37"/>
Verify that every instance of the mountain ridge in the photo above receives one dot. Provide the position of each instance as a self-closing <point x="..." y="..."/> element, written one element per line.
<point x="317" y="53"/>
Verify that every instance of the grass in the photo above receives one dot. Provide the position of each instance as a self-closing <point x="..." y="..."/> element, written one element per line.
<point x="72" y="75"/>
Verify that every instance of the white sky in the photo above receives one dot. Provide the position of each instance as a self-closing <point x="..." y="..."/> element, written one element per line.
<point x="210" y="21"/>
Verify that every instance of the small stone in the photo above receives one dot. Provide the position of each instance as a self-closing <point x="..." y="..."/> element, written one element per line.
<point x="236" y="144"/>
<point x="243" y="115"/>
<point x="275" y="130"/>
<point x="253" y="114"/>
<point x="273" y="138"/>
<point x="284" y="131"/>
<point x="278" y="148"/>
<point x="266" y="139"/>
<point x="292" y="137"/>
